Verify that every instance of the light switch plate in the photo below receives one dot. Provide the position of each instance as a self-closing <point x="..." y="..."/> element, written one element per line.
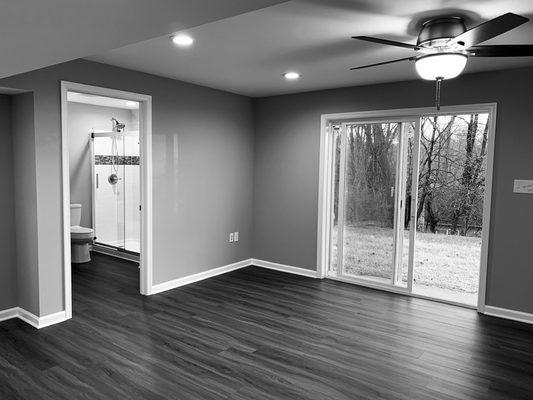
<point x="523" y="186"/>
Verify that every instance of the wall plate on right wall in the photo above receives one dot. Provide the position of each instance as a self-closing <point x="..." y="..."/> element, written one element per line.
<point x="523" y="186"/>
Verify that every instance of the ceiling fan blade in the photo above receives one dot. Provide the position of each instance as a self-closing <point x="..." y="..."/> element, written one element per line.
<point x="489" y="29"/>
<point x="512" y="50"/>
<point x="383" y="63"/>
<point x="387" y="42"/>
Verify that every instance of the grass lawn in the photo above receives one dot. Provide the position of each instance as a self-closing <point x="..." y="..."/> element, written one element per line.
<point x="443" y="261"/>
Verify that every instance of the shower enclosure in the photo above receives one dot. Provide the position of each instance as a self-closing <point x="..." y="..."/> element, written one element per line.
<point x="116" y="190"/>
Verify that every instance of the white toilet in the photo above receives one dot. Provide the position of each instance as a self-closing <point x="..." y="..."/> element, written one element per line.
<point x="80" y="238"/>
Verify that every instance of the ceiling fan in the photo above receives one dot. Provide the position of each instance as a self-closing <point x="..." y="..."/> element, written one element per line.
<point x="444" y="45"/>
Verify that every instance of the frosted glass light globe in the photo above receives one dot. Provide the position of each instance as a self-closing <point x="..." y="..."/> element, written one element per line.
<point x="443" y="65"/>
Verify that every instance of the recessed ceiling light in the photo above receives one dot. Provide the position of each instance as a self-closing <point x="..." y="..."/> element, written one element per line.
<point x="130" y="103"/>
<point x="291" y="76"/>
<point x="182" y="40"/>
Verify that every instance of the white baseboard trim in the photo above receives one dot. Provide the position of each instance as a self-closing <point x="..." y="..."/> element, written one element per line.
<point x="186" y="280"/>
<point x="28" y="317"/>
<point x="52" y="319"/>
<point x="284" y="268"/>
<point x="509" y="314"/>
<point x="32" y="319"/>
<point x="176" y="283"/>
<point x="9" y="313"/>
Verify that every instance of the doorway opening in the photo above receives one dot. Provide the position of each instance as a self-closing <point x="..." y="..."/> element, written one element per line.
<point x="106" y="154"/>
<point x="405" y="201"/>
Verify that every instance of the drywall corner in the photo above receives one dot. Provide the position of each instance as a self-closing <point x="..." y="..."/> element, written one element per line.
<point x="8" y="265"/>
<point x="25" y="201"/>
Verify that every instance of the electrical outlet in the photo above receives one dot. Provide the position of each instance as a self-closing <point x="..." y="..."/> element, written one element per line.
<point x="231" y="237"/>
<point x="236" y="236"/>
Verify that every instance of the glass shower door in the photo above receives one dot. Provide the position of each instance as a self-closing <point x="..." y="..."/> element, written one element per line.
<point x="116" y="190"/>
<point x="131" y="193"/>
<point x="109" y="223"/>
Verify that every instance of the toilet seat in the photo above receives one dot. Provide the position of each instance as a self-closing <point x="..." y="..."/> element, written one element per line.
<point x="81" y="233"/>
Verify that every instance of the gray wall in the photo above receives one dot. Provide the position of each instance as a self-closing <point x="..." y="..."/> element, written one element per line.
<point x="26" y="200"/>
<point x="287" y="167"/>
<point x="202" y="172"/>
<point x="205" y="169"/>
<point x="81" y="119"/>
<point x="8" y="263"/>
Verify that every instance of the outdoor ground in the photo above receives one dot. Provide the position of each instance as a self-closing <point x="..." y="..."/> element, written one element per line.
<point x="447" y="263"/>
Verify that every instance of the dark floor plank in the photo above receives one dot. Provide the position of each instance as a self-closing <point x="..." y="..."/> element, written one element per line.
<point x="260" y="334"/>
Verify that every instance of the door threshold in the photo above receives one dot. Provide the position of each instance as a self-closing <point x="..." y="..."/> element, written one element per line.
<point x="113" y="252"/>
<point x="397" y="290"/>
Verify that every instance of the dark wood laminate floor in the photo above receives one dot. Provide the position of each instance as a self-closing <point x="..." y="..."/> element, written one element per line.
<point x="259" y="334"/>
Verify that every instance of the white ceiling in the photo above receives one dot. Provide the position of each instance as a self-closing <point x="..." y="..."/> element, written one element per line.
<point x="39" y="33"/>
<point x="247" y="54"/>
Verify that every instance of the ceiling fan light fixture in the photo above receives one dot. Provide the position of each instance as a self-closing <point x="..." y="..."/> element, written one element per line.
<point x="441" y="65"/>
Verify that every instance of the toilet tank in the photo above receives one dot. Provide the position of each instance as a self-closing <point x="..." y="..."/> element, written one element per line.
<point x="75" y="214"/>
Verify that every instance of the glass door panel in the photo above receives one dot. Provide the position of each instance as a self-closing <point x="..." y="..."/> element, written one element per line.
<point x="108" y="191"/>
<point x="370" y="193"/>
<point x="117" y="190"/>
<point x="449" y="208"/>
<point x="132" y="199"/>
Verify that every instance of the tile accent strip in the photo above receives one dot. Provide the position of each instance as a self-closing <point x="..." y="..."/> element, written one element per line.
<point x="120" y="160"/>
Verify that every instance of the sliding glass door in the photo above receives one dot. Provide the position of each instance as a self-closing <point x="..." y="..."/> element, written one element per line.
<point x="407" y="201"/>
<point x="371" y="177"/>
<point x="449" y="210"/>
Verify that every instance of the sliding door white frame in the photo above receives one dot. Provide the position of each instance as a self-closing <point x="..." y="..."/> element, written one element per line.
<point x="342" y="194"/>
<point x="414" y="203"/>
<point x="325" y="200"/>
<point x="145" y="136"/>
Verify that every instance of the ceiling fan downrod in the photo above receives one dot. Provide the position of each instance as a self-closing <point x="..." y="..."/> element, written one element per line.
<point x="438" y="84"/>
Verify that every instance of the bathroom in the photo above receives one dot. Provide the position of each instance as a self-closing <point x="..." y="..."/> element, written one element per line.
<point x="104" y="170"/>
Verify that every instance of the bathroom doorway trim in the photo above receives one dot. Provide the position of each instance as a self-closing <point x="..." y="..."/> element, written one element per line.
<point x="145" y="133"/>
